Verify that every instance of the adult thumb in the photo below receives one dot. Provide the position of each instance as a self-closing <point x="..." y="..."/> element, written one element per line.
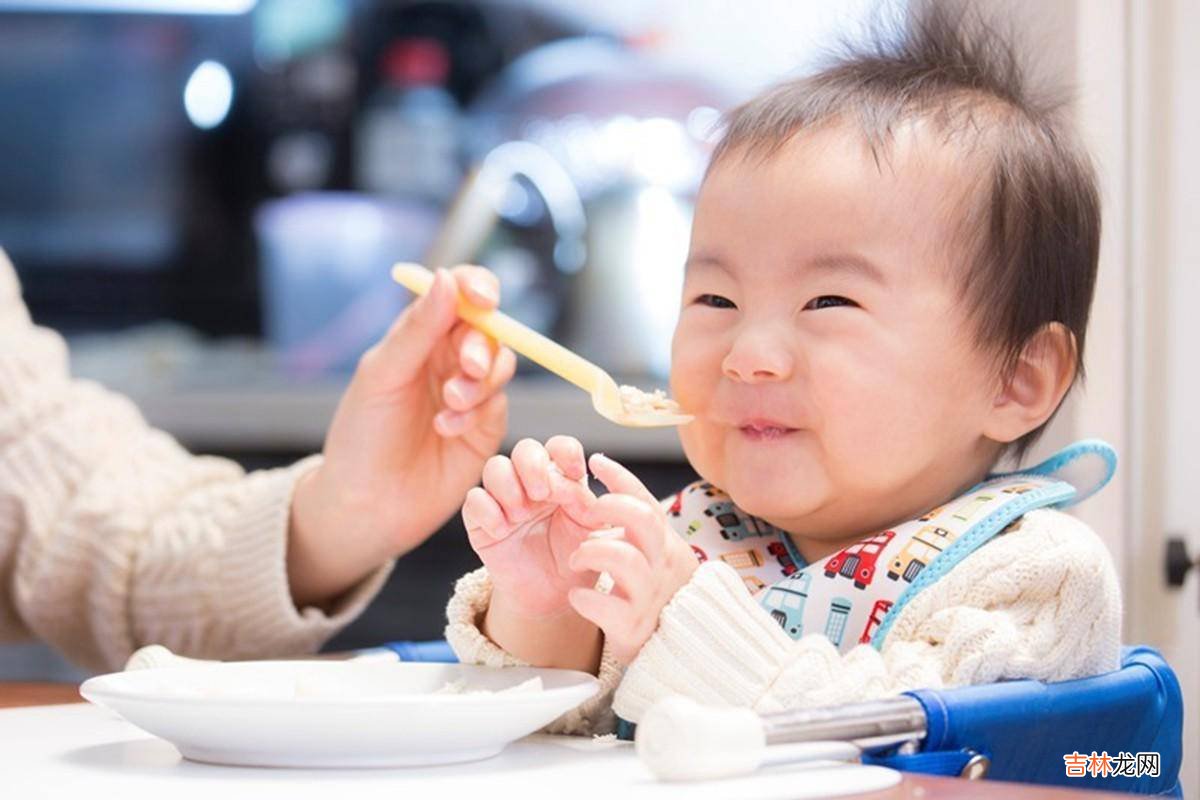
<point x="411" y="340"/>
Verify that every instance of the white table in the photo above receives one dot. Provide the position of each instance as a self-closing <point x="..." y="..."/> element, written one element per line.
<point x="83" y="751"/>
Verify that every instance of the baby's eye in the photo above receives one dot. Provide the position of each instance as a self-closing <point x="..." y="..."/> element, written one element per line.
<point x="828" y="301"/>
<point x="715" y="301"/>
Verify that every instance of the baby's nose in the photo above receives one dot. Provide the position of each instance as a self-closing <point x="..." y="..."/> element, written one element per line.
<point x="758" y="356"/>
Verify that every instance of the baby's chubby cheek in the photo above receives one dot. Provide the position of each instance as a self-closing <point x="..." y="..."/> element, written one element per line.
<point x="694" y="381"/>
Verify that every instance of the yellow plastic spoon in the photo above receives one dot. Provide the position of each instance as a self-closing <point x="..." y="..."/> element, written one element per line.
<point x="624" y="405"/>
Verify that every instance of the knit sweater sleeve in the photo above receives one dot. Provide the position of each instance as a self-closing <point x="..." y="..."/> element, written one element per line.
<point x="1041" y="601"/>
<point x="472" y="595"/>
<point x="112" y="536"/>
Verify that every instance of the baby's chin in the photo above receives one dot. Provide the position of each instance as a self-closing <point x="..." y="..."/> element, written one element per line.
<point x="779" y="497"/>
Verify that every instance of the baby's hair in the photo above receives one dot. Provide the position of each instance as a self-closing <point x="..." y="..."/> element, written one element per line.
<point x="1033" y="218"/>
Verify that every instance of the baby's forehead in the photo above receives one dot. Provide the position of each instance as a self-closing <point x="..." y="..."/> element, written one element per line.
<point x="917" y="155"/>
<point x="831" y="187"/>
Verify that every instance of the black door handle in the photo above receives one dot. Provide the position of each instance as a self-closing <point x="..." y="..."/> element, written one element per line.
<point x="1178" y="562"/>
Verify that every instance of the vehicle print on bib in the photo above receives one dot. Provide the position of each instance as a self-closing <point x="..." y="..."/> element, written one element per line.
<point x="878" y="611"/>
<point x="676" y="507"/>
<point x="972" y="506"/>
<point x="928" y="515"/>
<point x="754" y="584"/>
<point x="793" y="593"/>
<point x="925" y="545"/>
<point x="785" y="602"/>
<point x="743" y="559"/>
<point x="735" y="525"/>
<point x="835" y="623"/>
<point x="787" y="565"/>
<point x="857" y="562"/>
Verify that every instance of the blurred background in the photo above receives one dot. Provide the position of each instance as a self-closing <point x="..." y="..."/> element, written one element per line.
<point x="205" y="195"/>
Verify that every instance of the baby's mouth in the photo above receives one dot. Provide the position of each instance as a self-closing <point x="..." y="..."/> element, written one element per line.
<point x="765" y="430"/>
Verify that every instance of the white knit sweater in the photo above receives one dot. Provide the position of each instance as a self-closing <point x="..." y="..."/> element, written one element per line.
<point x="112" y="536"/>
<point x="1041" y="601"/>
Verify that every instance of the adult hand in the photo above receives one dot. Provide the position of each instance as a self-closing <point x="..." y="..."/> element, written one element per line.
<point x="423" y="413"/>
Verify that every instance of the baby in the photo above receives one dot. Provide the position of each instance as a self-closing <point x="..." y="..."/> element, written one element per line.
<point x="887" y="291"/>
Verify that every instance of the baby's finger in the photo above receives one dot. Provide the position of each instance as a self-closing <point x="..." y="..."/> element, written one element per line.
<point x="611" y="614"/>
<point x="532" y="464"/>
<point x="621" y="560"/>
<point x="483" y="518"/>
<point x="642" y="522"/>
<point x="479" y="285"/>
<point x="618" y="479"/>
<point x="567" y="453"/>
<point x="501" y="482"/>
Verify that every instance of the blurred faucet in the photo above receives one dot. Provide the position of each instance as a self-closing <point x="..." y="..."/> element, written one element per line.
<point x="475" y="209"/>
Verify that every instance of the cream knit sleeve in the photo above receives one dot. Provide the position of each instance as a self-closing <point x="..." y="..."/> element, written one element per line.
<point x="1041" y="601"/>
<point x="112" y="536"/>
<point x="472" y="594"/>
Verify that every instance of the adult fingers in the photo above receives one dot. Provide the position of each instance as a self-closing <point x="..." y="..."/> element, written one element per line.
<point x="478" y="285"/>
<point x="418" y="331"/>
<point x="492" y="414"/>
<point x="474" y="351"/>
<point x="462" y="393"/>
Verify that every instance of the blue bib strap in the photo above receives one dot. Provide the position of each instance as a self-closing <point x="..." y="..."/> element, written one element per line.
<point x="1087" y="465"/>
<point x="1078" y="472"/>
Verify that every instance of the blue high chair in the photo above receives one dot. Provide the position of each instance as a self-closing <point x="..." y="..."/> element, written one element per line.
<point x="1023" y="730"/>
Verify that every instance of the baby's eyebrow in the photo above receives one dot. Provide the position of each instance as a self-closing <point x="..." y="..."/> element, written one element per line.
<point x="847" y="262"/>
<point x="703" y="259"/>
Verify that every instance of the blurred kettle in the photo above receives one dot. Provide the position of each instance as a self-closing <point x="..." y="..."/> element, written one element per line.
<point x="621" y="141"/>
<point x="625" y="249"/>
<point x="626" y="299"/>
<point x="532" y="292"/>
<point x="476" y="206"/>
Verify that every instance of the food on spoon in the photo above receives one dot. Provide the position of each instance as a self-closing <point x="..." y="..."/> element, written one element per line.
<point x="637" y="401"/>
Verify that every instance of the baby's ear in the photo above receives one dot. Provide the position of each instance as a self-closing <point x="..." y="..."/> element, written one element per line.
<point x="1036" y="385"/>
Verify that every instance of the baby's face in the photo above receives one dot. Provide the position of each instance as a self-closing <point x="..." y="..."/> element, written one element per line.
<point x="824" y="344"/>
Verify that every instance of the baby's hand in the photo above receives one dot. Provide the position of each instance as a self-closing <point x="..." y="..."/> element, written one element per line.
<point x="647" y="561"/>
<point x="527" y="520"/>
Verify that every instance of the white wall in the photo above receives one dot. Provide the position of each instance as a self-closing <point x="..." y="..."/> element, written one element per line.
<point x="1164" y="119"/>
<point x="745" y="44"/>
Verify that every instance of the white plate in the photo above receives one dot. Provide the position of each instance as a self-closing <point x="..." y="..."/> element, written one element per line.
<point x="338" y="713"/>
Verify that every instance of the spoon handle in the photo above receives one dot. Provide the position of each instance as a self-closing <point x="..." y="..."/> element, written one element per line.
<point x="508" y="331"/>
